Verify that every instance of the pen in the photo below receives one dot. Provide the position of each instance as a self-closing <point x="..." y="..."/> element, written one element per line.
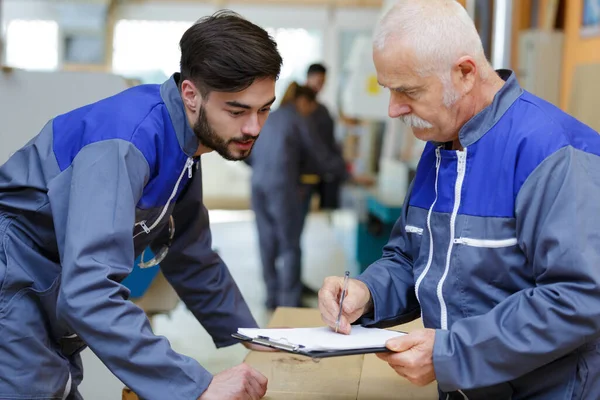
<point x="342" y="296"/>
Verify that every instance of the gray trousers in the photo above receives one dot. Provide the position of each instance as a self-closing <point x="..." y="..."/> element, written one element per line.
<point x="34" y="362"/>
<point x="279" y="226"/>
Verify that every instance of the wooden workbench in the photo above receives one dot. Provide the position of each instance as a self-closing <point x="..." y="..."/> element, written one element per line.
<point x="361" y="377"/>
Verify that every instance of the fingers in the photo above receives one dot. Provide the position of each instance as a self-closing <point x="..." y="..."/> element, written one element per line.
<point x="250" y="393"/>
<point x="257" y="383"/>
<point x="404" y="342"/>
<point x="258" y="347"/>
<point x="254" y="389"/>
<point x="328" y="300"/>
<point x="344" y="326"/>
<point x="329" y="297"/>
<point x="414" y="376"/>
<point x="260" y="378"/>
<point x="400" y="371"/>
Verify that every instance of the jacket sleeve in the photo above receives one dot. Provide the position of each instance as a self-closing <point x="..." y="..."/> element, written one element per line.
<point x="324" y="160"/>
<point x="557" y="212"/>
<point x="93" y="203"/>
<point x="199" y="275"/>
<point x="391" y="281"/>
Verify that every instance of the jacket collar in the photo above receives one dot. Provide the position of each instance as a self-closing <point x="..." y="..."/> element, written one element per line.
<point x="169" y="91"/>
<point x="482" y="122"/>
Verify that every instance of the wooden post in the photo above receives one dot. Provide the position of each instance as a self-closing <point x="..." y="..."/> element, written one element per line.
<point x="109" y="35"/>
<point x="521" y="21"/>
<point x="1" y="36"/>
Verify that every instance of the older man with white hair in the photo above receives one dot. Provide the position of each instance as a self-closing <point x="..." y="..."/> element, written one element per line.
<point x="498" y="247"/>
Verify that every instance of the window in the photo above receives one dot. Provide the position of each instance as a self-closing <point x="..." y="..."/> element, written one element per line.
<point x="32" y="44"/>
<point x="299" y="48"/>
<point x="148" y="50"/>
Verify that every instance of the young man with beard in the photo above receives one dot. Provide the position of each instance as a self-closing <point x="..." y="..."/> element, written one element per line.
<point x="99" y="184"/>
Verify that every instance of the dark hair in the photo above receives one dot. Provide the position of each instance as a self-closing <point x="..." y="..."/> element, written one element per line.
<point x="316" y="69"/>
<point x="226" y="53"/>
<point x="295" y="91"/>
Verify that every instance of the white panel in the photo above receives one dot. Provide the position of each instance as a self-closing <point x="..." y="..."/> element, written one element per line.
<point x="540" y="63"/>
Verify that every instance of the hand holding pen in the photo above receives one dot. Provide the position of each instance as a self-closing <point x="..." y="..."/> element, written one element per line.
<point x="343" y="300"/>
<point x="342" y="296"/>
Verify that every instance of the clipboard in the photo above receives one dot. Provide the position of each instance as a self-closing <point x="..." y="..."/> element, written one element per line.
<point x="302" y="351"/>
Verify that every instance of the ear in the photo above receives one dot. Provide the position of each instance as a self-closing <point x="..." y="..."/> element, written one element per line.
<point x="190" y="95"/>
<point x="465" y="72"/>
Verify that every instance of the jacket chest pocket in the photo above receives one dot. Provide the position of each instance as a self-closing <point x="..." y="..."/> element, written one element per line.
<point x="492" y="261"/>
<point x="488" y="264"/>
<point x="416" y="228"/>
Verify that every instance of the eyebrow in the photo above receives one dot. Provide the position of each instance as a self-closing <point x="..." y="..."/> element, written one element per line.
<point x="237" y="104"/>
<point x="402" y="88"/>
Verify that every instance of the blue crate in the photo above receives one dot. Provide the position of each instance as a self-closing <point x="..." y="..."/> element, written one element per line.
<point x="369" y="241"/>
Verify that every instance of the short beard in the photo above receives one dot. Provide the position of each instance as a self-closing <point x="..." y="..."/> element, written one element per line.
<point x="211" y="139"/>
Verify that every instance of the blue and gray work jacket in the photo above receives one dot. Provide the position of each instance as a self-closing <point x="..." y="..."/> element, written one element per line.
<point x="80" y="201"/>
<point x="498" y="249"/>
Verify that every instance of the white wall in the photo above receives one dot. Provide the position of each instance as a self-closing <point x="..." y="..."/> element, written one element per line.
<point x="162" y="11"/>
<point x="28" y="9"/>
<point x="33" y="98"/>
<point x="331" y="22"/>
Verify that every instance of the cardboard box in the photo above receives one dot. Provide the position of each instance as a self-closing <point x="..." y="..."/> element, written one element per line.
<point x="360" y="377"/>
<point x="348" y="378"/>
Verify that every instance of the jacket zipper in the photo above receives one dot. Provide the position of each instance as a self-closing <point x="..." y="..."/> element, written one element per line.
<point x="438" y="158"/>
<point x="461" y="168"/>
<point x="188" y="167"/>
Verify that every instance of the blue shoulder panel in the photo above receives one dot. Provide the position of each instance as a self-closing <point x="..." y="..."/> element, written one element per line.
<point x="137" y="115"/>
<point x="116" y="117"/>
<point x="170" y="160"/>
<point x="498" y="164"/>
<point x="423" y="193"/>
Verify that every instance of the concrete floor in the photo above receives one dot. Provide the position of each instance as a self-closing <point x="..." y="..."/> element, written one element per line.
<point x="328" y="245"/>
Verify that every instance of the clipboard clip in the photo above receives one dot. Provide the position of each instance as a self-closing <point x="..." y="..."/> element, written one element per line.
<point x="280" y="344"/>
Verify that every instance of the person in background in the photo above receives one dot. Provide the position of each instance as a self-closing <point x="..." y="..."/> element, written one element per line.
<point x="101" y="183"/>
<point x="327" y="186"/>
<point x="287" y="144"/>
<point x="498" y="245"/>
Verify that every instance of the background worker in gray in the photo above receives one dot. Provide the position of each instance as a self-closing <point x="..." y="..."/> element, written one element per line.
<point x="328" y="185"/>
<point x="287" y="142"/>
<point x="101" y="183"/>
<point x="498" y="246"/>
